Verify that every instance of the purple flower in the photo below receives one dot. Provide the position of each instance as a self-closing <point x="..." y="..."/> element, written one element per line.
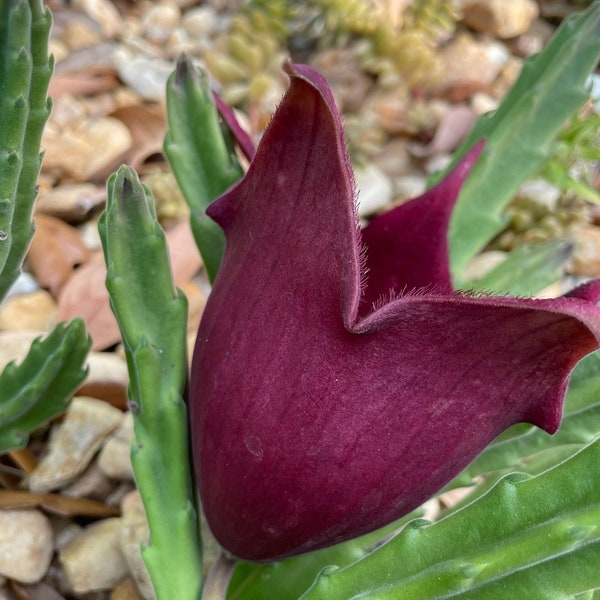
<point x="338" y="380"/>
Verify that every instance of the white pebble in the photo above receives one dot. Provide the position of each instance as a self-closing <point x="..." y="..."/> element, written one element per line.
<point x="375" y="190"/>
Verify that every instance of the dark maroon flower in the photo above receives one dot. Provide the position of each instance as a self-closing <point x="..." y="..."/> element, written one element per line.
<point x="332" y="394"/>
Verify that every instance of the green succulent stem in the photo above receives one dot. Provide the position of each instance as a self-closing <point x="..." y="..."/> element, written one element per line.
<point x="40" y="388"/>
<point x="201" y="156"/>
<point x="25" y="71"/>
<point x="152" y="316"/>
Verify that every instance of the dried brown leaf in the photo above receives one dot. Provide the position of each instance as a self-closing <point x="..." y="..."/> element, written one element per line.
<point x="24" y="459"/>
<point x="85" y="295"/>
<point x="55" y="251"/>
<point x="80" y="84"/>
<point x="58" y="504"/>
<point x="147" y="130"/>
<point x="451" y="131"/>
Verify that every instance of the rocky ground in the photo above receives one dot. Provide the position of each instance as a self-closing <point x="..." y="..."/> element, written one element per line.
<point x="71" y="520"/>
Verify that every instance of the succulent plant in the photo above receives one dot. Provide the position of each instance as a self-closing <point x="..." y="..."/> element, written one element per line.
<point x="39" y="388"/>
<point x="246" y="59"/>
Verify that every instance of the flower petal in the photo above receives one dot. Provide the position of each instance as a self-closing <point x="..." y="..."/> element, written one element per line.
<point x="310" y="425"/>
<point x="277" y="237"/>
<point x="407" y="247"/>
<point x="243" y="140"/>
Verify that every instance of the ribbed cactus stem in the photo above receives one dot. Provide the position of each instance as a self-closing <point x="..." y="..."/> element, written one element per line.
<point x="25" y="71"/>
<point x="201" y="156"/>
<point x="152" y="316"/>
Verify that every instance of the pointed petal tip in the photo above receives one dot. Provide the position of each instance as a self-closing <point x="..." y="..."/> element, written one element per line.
<point x="467" y="162"/>
<point x="589" y="291"/>
<point x="241" y="136"/>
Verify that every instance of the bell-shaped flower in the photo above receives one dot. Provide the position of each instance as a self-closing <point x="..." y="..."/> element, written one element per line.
<point x="338" y="381"/>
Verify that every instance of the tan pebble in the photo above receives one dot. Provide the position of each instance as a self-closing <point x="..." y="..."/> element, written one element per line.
<point x="586" y="255"/>
<point x="168" y="198"/>
<point x="114" y="459"/>
<point x="90" y="235"/>
<point x="540" y="193"/>
<point x="554" y="290"/>
<point x="482" y="264"/>
<point x="465" y="60"/>
<point x="410" y="186"/>
<point x="185" y="3"/>
<point x="533" y="40"/>
<point x="393" y="158"/>
<point x="107" y="367"/>
<point x="92" y="483"/>
<point x="86" y="147"/>
<point x="78" y="35"/>
<point x="482" y="103"/>
<point x="94" y="560"/>
<point x="507" y="77"/>
<point x="125" y="590"/>
<point x="160" y="20"/>
<point x="500" y="18"/>
<point x="71" y="201"/>
<point x="14" y="345"/>
<point x="196" y="303"/>
<point x="35" y="311"/>
<point x="58" y="49"/>
<point x="134" y="533"/>
<point x="103" y="12"/>
<point x="74" y="442"/>
<point x="453" y="497"/>
<point x="26" y="545"/>
<point x="191" y="344"/>
<point x="179" y="42"/>
<point x="199" y="21"/>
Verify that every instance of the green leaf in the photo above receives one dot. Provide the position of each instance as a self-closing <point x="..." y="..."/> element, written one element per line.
<point x="528" y="537"/>
<point x="152" y="316"/>
<point x="520" y="133"/>
<point x="525" y="271"/>
<point x="201" y="157"/>
<point x="559" y="175"/>
<point x="40" y="387"/>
